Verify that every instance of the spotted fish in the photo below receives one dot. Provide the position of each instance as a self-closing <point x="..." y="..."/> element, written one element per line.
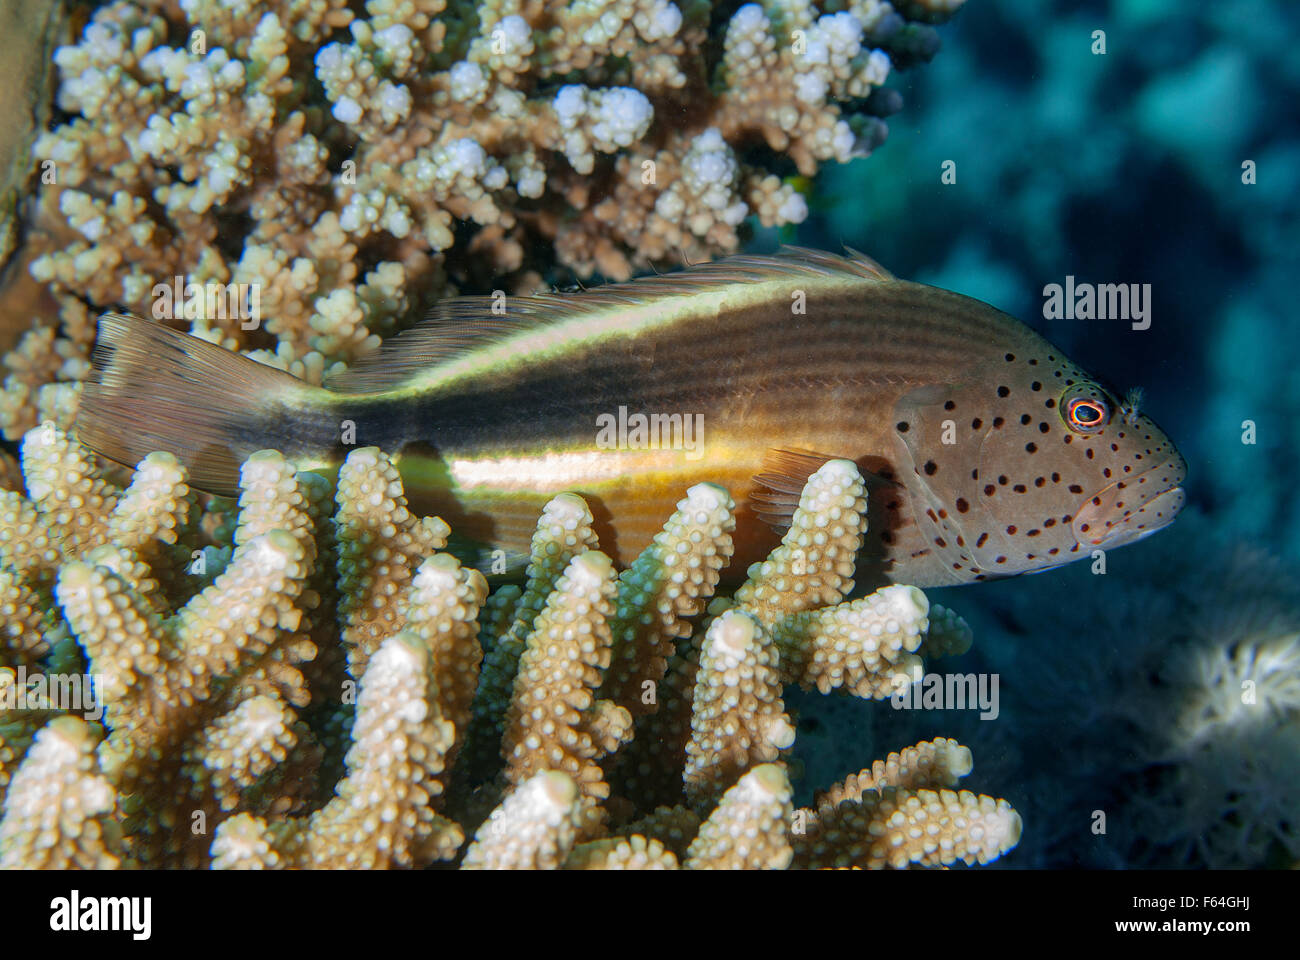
<point x="988" y="453"/>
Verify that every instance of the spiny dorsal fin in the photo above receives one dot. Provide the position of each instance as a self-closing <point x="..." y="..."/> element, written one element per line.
<point x="867" y="265"/>
<point x="453" y="327"/>
<point x="467" y="323"/>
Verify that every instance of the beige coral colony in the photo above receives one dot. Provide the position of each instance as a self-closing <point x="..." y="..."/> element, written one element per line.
<point x="303" y="677"/>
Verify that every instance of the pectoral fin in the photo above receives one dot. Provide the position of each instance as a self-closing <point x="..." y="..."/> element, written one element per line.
<point x="781" y="480"/>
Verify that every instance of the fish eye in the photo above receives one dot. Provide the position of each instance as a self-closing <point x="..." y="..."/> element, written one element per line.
<point x="1086" y="414"/>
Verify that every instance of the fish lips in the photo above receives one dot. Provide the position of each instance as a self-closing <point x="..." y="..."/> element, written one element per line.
<point x="1132" y="508"/>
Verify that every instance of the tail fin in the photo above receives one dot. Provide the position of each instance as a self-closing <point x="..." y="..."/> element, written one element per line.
<point x="153" y="388"/>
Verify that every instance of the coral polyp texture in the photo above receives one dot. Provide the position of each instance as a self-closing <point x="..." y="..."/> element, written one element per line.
<point x="338" y="167"/>
<point x="304" y="678"/>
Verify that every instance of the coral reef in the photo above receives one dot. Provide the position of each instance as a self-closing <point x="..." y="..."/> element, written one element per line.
<point x="330" y="174"/>
<point x="303" y="679"/>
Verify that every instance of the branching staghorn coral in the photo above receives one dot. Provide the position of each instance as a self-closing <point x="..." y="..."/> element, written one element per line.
<point x="339" y="168"/>
<point x="202" y="673"/>
<point x="62" y="807"/>
<point x="893" y="815"/>
<point x="224" y="716"/>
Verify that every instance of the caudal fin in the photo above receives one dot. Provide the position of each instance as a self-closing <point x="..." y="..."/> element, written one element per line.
<point x="153" y="388"/>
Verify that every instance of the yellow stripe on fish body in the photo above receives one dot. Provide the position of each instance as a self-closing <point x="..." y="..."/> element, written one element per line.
<point x="775" y="363"/>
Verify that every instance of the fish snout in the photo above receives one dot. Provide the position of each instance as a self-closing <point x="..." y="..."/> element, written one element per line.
<point x="1132" y="508"/>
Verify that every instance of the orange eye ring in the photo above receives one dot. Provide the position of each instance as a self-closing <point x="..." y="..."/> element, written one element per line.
<point x="1087" y="414"/>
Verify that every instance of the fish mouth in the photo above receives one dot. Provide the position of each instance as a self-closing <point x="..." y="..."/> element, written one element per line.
<point x="1133" y="508"/>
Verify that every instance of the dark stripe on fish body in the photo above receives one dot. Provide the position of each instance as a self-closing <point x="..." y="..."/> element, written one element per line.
<point x="758" y="355"/>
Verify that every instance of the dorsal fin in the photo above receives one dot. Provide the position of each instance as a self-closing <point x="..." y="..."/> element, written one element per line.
<point x="867" y="266"/>
<point x="453" y="327"/>
<point x="467" y="323"/>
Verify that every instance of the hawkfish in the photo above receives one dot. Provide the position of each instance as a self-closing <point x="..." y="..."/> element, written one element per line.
<point x="987" y="452"/>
